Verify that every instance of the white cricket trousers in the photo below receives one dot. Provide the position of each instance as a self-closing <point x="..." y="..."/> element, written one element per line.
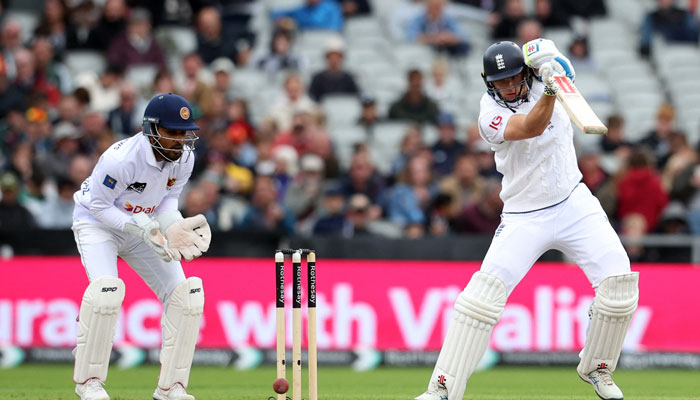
<point x="99" y="247"/>
<point x="578" y="227"/>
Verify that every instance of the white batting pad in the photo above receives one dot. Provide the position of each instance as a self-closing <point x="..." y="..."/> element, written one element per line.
<point x="97" y="323"/>
<point x="181" y="320"/>
<point x="614" y="303"/>
<point x="477" y="310"/>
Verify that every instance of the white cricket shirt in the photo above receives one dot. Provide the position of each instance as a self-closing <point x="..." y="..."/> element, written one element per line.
<point x="128" y="180"/>
<point x="537" y="172"/>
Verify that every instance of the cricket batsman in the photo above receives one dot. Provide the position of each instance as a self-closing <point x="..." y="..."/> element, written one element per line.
<point x="546" y="206"/>
<point x="128" y="207"/>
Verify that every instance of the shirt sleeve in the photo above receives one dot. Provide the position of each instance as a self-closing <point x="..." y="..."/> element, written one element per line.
<point x="170" y="201"/>
<point x="492" y="125"/>
<point x="108" y="180"/>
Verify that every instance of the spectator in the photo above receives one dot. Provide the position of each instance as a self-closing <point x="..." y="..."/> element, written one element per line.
<point x="50" y="73"/>
<point x="60" y="207"/>
<point x="280" y="56"/>
<point x="223" y="70"/>
<point x="66" y="137"/>
<point x="34" y="200"/>
<point x="594" y="176"/>
<point x="241" y="133"/>
<point x="507" y="19"/>
<point x="333" y="221"/>
<point x="83" y="19"/>
<point x="194" y="83"/>
<point x="615" y="149"/>
<point x="333" y="79"/>
<point x="125" y="120"/>
<point x="369" y="116"/>
<point x="686" y="189"/>
<point x="464" y="186"/>
<point x="164" y="82"/>
<point x="356" y="8"/>
<point x="363" y="219"/>
<point x="300" y="134"/>
<point x="12" y="215"/>
<point x="584" y="8"/>
<point x="103" y="90"/>
<point x="402" y="16"/>
<point x="657" y="140"/>
<point x="11" y="42"/>
<point x="79" y="169"/>
<point x="671" y="22"/>
<point x="410" y="198"/>
<point x="111" y="25"/>
<point x="136" y="45"/>
<point x="212" y="43"/>
<point x="362" y="178"/>
<point x="634" y="227"/>
<point x="265" y="212"/>
<point x="639" y="190"/>
<point x="414" y="105"/>
<point x="441" y="86"/>
<point x="54" y="24"/>
<point x="528" y="29"/>
<point x="295" y="98"/>
<point x="411" y="144"/>
<point x="580" y="56"/>
<point x="681" y="156"/>
<point x="304" y="193"/>
<point x="550" y="14"/>
<point x="447" y="148"/>
<point x="486" y="161"/>
<point x="483" y="215"/>
<point x="315" y="14"/>
<point x="440" y="30"/>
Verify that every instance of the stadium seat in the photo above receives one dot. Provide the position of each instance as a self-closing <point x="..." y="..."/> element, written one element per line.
<point x="341" y="110"/>
<point x="141" y="76"/>
<point x="177" y="40"/>
<point x="85" y="60"/>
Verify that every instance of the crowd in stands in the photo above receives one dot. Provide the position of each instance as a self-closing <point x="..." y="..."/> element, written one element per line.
<point x="282" y="171"/>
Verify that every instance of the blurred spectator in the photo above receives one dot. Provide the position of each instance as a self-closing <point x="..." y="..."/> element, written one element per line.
<point x="111" y="24"/>
<point x="241" y="133"/>
<point x="437" y="28"/>
<point x="464" y="186"/>
<point x="265" y="212"/>
<point x="12" y="215"/>
<point x="136" y="45"/>
<point x="614" y="142"/>
<point x="299" y="136"/>
<point x="441" y="86"/>
<point x="414" y="105"/>
<point x="639" y="190"/>
<point x="580" y="55"/>
<point x="671" y="22"/>
<point x="355" y="8"/>
<point x="402" y="16"/>
<point x="411" y="144"/>
<point x="212" y="43"/>
<point x="23" y="160"/>
<point x="30" y="81"/>
<point x="83" y="19"/>
<point x="369" y="116"/>
<point x="410" y="198"/>
<point x="447" y="148"/>
<point x="70" y="110"/>
<point x="486" y="161"/>
<point x="223" y="70"/>
<point x="13" y="96"/>
<point x="507" y="20"/>
<point x="657" y="140"/>
<point x="280" y="56"/>
<point x="50" y="73"/>
<point x="680" y="157"/>
<point x="79" y="169"/>
<point x="38" y="131"/>
<point x="103" y="90"/>
<point x="125" y="120"/>
<point x="60" y="207"/>
<point x="550" y="14"/>
<point x="686" y="188"/>
<point x="364" y="220"/>
<point x="315" y="14"/>
<point x="194" y="83"/>
<point x="361" y="177"/>
<point x="164" y="82"/>
<point x="332" y="220"/>
<point x="633" y="228"/>
<point x="54" y="24"/>
<point x="334" y="79"/>
<point x="594" y="176"/>
<point x="295" y="99"/>
<point x="484" y="215"/>
<point x="34" y="200"/>
<point x="11" y="42"/>
<point x="528" y="29"/>
<point x="584" y="8"/>
<point x="304" y="193"/>
<point x="66" y="138"/>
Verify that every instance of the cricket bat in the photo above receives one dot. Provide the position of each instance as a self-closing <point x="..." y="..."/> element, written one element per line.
<point x="577" y="107"/>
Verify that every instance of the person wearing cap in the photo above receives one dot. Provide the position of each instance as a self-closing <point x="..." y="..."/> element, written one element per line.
<point x="223" y="70"/>
<point x="12" y="214"/>
<point x="334" y="79"/>
<point x="304" y="193"/>
<point x="315" y="14"/>
<point x="447" y="148"/>
<point x="128" y="208"/>
<point x="369" y="115"/>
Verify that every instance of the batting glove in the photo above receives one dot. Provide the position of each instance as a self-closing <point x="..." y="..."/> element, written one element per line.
<point x="541" y="51"/>
<point x="547" y="75"/>
<point x="148" y="230"/>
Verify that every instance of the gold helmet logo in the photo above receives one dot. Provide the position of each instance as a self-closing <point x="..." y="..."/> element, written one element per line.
<point x="185" y="113"/>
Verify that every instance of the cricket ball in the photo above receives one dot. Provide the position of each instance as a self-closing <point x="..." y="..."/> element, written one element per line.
<point x="280" y="386"/>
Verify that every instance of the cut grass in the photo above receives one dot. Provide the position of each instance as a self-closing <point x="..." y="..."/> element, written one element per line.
<point x="44" y="382"/>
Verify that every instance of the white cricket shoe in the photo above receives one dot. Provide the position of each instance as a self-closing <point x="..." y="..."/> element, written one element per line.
<point x="436" y="391"/>
<point x="602" y="382"/>
<point x="91" y="390"/>
<point x="176" y="392"/>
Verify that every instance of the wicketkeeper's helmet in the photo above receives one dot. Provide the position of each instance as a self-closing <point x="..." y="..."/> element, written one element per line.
<point x="169" y="111"/>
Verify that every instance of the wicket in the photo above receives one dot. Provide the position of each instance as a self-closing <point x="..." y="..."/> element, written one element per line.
<point x="296" y="321"/>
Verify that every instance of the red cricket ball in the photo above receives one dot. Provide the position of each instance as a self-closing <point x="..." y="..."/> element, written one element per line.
<point x="280" y="386"/>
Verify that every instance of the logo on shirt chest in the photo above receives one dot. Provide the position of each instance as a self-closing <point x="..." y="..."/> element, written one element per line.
<point x="137" y="187"/>
<point x="138" y="209"/>
<point x="171" y="182"/>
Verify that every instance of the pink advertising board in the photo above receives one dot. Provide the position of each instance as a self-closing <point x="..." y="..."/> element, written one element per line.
<point x="386" y="305"/>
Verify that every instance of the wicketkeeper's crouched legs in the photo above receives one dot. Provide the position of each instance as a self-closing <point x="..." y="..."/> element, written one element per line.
<point x="477" y="310"/>
<point x="181" y="319"/>
<point x="97" y="324"/>
<point x="614" y="303"/>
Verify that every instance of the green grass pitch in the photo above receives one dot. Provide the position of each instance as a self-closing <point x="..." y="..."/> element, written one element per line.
<point x="44" y="382"/>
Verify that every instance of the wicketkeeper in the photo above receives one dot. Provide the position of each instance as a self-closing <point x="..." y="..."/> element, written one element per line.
<point x="546" y="206"/>
<point x="128" y="207"/>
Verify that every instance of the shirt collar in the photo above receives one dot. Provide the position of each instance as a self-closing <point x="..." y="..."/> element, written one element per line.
<point x="150" y="157"/>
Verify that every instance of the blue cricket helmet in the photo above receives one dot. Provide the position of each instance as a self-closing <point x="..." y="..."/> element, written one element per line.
<point x="170" y="111"/>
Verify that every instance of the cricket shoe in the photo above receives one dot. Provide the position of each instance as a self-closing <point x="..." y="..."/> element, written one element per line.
<point x="91" y="390"/>
<point x="602" y="382"/>
<point x="176" y="392"/>
<point x="436" y="391"/>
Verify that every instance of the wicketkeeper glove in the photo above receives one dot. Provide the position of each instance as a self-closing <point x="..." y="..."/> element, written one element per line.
<point x="148" y="230"/>
<point x="188" y="237"/>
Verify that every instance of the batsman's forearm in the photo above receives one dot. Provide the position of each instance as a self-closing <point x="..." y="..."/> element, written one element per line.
<point x="540" y="115"/>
